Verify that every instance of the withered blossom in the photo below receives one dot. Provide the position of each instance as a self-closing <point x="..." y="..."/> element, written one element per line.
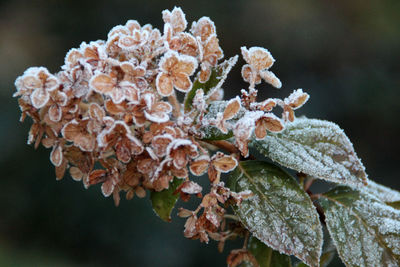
<point x="175" y="72"/>
<point x="111" y="116"/>
<point x="259" y="60"/>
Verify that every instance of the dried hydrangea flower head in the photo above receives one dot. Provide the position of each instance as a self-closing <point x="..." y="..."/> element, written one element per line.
<point x="111" y="116"/>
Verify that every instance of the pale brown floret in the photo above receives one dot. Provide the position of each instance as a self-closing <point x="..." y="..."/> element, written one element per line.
<point x="113" y="86"/>
<point x="294" y="101"/>
<point x="175" y="72"/>
<point x="180" y="151"/>
<point x="259" y="60"/>
<point x="267" y="122"/>
<point x="77" y="132"/>
<point x="176" y="18"/>
<point x="36" y="83"/>
<point x="125" y="144"/>
<point x="203" y="28"/>
<point x="211" y="52"/>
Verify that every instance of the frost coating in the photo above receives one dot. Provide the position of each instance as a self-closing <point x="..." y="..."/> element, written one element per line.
<point x="280" y="214"/>
<point x="317" y="148"/>
<point x="383" y="193"/>
<point x="366" y="232"/>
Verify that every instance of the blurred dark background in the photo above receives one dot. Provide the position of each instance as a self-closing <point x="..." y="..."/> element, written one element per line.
<point x="345" y="54"/>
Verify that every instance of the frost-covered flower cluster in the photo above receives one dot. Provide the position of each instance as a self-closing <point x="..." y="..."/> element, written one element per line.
<point x="112" y="114"/>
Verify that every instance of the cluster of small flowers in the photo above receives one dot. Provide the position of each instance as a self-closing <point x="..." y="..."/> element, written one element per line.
<point x="114" y="103"/>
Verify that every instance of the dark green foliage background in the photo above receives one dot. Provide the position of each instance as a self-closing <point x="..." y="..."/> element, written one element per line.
<point x="345" y="54"/>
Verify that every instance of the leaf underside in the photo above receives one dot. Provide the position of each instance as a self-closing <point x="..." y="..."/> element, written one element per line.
<point x="164" y="201"/>
<point x="280" y="213"/>
<point x="317" y="148"/>
<point x="365" y="230"/>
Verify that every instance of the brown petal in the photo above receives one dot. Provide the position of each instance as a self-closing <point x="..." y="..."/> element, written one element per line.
<point x="246" y="73"/>
<point x="270" y="78"/>
<point x="96" y="112"/>
<point x="160" y="143"/>
<point x="204" y="27"/>
<point x="232" y="108"/>
<point x="122" y="152"/>
<point x="260" y="58"/>
<point x="225" y="163"/>
<point x="205" y="74"/>
<point x="60" y="170"/>
<point x="76" y="173"/>
<point x="164" y="84"/>
<point x="56" y="156"/>
<point x="273" y="123"/>
<point x="107" y="188"/>
<point x="182" y="82"/>
<point x="97" y="176"/>
<point x="114" y="108"/>
<point x="186" y="65"/>
<point x="71" y="130"/>
<point x="102" y="83"/>
<point x="199" y="166"/>
<point x="55" y="113"/>
<point x="39" y="97"/>
<point x="267" y="105"/>
<point x="140" y="192"/>
<point x="261" y="129"/>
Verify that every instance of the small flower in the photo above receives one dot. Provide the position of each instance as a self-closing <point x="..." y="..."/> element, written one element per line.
<point x="117" y="89"/>
<point x="269" y="122"/>
<point x="37" y="83"/>
<point x="135" y="75"/>
<point x="259" y="60"/>
<point x="180" y="151"/>
<point x="294" y="101"/>
<point x="76" y="132"/>
<point x="176" y="18"/>
<point x="232" y="108"/>
<point x="175" y="72"/>
<point x="203" y="28"/>
<point x="211" y="52"/>
<point x="119" y="136"/>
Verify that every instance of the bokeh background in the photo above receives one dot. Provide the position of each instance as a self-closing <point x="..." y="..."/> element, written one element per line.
<point x="345" y="54"/>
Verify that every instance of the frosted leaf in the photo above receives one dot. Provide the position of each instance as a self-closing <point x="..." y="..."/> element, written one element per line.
<point x="383" y="193"/>
<point x="265" y="256"/>
<point x="317" y="148"/>
<point x="280" y="214"/>
<point x="164" y="201"/>
<point x="365" y="231"/>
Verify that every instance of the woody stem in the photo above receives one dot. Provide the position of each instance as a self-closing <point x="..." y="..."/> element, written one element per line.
<point x="225" y="145"/>
<point x="176" y="106"/>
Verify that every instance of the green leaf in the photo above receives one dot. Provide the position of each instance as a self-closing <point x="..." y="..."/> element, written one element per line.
<point x="217" y="78"/>
<point x="328" y="252"/>
<point x="280" y="213"/>
<point x="395" y="204"/>
<point x="214" y="134"/>
<point x="266" y="256"/>
<point x="164" y="201"/>
<point x="365" y="231"/>
<point x="383" y="193"/>
<point x="317" y="148"/>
